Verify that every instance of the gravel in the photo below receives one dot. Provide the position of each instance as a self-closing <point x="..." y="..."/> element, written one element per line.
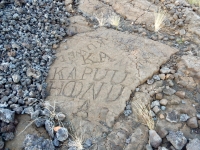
<point x="29" y="29"/>
<point x="6" y="115"/>
<point x="62" y="134"/>
<point x="34" y="142"/>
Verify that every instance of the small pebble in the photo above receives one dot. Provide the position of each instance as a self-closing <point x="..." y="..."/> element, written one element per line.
<point x="156" y="109"/>
<point x="62" y="134"/>
<point x="163" y="102"/>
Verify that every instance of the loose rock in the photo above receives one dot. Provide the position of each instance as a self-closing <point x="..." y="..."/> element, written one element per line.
<point x="172" y="116"/>
<point x="169" y="91"/>
<point x="180" y="94"/>
<point x="62" y="134"/>
<point x="194" y="144"/>
<point x="155" y="139"/>
<point x="6" y="115"/>
<point x="32" y="142"/>
<point x="184" y="117"/>
<point x="192" y="122"/>
<point x="165" y="70"/>
<point x="176" y="139"/>
<point x="49" y="127"/>
<point x="163" y="102"/>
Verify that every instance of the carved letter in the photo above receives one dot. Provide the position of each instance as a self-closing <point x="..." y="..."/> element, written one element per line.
<point x="57" y="89"/>
<point x="87" y="59"/>
<point x="87" y="71"/>
<point x="92" y="87"/>
<point x="100" y="78"/>
<point x="58" y="72"/>
<point x="114" y="91"/>
<point x="103" y="56"/>
<point x="119" y="81"/>
<point x="72" y="90"/>
<point x="72" y="74"/>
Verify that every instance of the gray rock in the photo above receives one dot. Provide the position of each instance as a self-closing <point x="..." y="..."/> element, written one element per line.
<point x="35" y="114"/>
<point x="16" y="78"/>
<point x="198" y="115"/>
<point x="194" y="144"/>
<point x="182" y="32"/>
<point x="156" y="109"/>
<point x="1" y="144"/>
<point x="154" y="138"/>
<point x="6" y="115"/>
<point x="148" y="147"/>
<point x="49" y="128"/>
<point x="16" y="16"/>
<point x="152" y="114"/>
<point x="184" y="117"/>
<point x="18" y="110"/>
<point x="156" y="77"/>
<point x="159" y="96"/>
<point x="155" y="103"/>
<point x="56" y="142"/>
<point x="8" y="136"/>
<point x="180" y="94"/>
<point x="39" y="122"/>
<point x="163" y="108"/>
<point x="172" y="116"/>
<point x="169" y="91"/>
<point x="3" y="105"/>
<point x="165" y="70"/>
<point x="163" y="102"/>
<point x="162" y="132"/>
<point x="162" y="148"/>
<point x="62" y="134"/>
<point x="88" y="143"/>
<point x="151" y="81"/>
<point x="177" y="139"/>
<point x="28" y="110"/>
<point x="192" y="122"/>
<point x="170" y="83"/>
<point x="60" y="116"/>
<point x="33" y="142"/>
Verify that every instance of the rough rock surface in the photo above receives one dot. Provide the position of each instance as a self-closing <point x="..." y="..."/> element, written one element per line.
<point x="154" y="138"/>
<point x="194" y="144"/>
<point x="94" y="78"/>
<point x="138" y="11"/>
<point x="192" y="122"/>
<point x="32" y="142"/>
<point x="188" y="68"/>
<point x="7" y="115"/>
<point x="62" y="134"/>
<point x="177" y="139"/>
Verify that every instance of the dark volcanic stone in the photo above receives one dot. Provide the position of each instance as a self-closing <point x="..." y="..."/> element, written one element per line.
<point x="6" y="115"/>
<point x="32" y="142"/>
<point x="177" y="139"/>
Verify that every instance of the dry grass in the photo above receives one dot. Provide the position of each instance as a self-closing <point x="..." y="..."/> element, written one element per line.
<point x="160" y="16"/>
<point x="77" y="142"/>
<point x="114" y="20"/>
<point x="53" y="115"/>
<point x="194" y="2"/>
<point x="143" y="113"/>
<point x="101" y="19"/>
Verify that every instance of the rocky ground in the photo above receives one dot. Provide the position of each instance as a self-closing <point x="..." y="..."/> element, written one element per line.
<point x="115" y="83"/>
